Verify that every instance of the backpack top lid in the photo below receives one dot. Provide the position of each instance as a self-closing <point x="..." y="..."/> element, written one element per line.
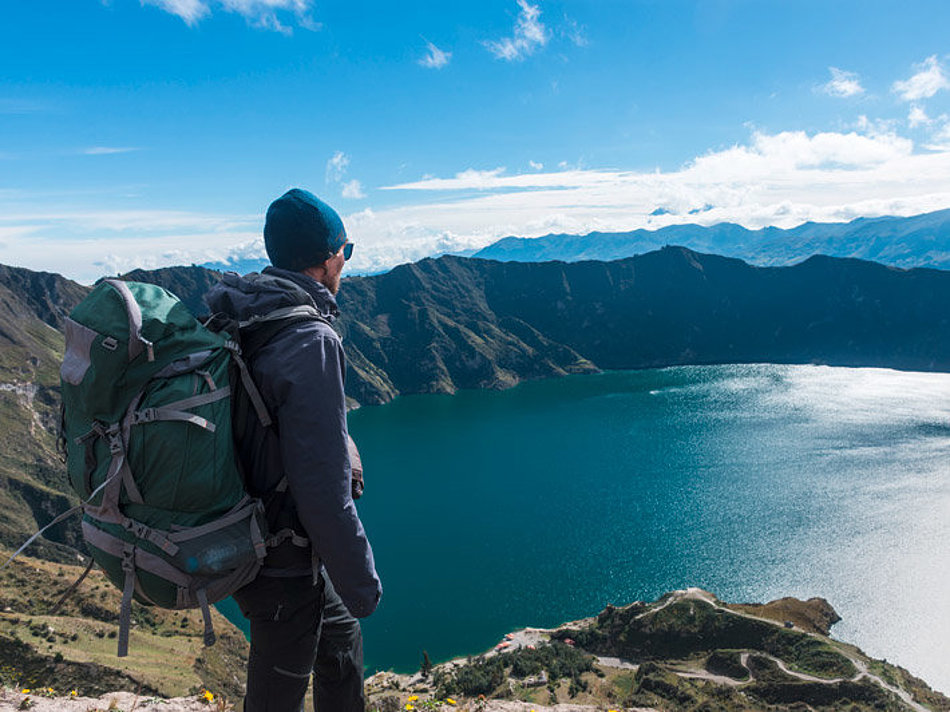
<point x="119" y="337"/>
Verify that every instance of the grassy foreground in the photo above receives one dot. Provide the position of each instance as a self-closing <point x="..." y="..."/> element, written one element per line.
<point x="76" y="648"/>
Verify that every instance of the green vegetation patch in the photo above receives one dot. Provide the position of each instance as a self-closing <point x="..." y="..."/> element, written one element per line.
<point x="484" y="675"/>
<point x="690" y="627"/>
<point x="727" y="663"/>
<point x="862" y="695"/>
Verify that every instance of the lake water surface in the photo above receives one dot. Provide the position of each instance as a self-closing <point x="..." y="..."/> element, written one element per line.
<point x="495" y="510"/>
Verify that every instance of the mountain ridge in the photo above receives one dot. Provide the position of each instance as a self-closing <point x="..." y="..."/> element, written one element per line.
<point x="914" y="241"/>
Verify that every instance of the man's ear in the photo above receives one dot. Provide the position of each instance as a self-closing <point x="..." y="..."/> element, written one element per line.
<point x="317" y="271"/>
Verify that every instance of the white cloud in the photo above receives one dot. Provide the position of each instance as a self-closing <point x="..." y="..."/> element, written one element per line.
<point x="266" y="14"/>
<point x="466" y="180"/>
<point x="929" y="79"/>
<point x="436" y="58"/>
<point x="529" y="35"/>
<point x="780" y="179"/>
<point x="353" y="189"/>
<point x="876" y="127"/>
<point x="842" y="84"/>
<point x="86" y="244"/>
<point x="574" y="32"/>
<point x="535" y="166"/>
<point x="918" y="117"/>
<point x="336" y="167"/>
<point x="106" y="150"/>
<point x="191" y="11"/>
<point x="940" y="140"/>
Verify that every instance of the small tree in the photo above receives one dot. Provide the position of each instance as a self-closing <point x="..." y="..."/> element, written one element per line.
<point x="426" y="665"/>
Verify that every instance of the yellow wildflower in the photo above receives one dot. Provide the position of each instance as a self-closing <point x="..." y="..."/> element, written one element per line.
<point x="73" y="693"/>
<point x="412" y="698"/>
<point x="409" y="707"/>
<point x="207" y="696"/>
<point x="25" y="690"/>
<point x="450" y="701"/>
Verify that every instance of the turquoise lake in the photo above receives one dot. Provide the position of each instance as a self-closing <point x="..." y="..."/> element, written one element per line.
<point x="490" y="510"/>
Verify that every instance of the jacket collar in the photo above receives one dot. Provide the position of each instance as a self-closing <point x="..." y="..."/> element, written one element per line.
<point x="322" y="298"/>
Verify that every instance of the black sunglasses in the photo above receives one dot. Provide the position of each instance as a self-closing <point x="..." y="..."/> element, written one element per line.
<point x="347" y="251"/>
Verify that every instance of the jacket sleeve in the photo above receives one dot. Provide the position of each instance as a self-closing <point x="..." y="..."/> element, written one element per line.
<point x="311" y="420"/>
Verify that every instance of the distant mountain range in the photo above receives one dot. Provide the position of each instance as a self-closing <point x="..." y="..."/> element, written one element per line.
<point x="917" y="241"/>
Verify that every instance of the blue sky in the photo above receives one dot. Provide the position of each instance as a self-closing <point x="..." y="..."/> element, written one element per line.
<point x="154" y="132"/>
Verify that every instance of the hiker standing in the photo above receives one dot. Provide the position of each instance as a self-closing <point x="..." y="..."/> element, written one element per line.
<point x="300" y="467"/>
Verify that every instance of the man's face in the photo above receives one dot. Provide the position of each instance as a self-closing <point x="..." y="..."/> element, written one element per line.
<point x="334" y="269"/>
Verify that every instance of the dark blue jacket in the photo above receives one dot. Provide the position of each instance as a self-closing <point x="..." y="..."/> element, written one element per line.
<point x="300" y="373"/>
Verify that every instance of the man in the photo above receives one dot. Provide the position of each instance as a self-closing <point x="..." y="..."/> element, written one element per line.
<point x="301" y="468"/>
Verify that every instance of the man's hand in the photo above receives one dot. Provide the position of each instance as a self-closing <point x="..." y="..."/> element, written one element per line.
<point x="356" y="465"/>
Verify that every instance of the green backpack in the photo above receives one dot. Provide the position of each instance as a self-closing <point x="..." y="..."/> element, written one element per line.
<point x="147" y="425"/>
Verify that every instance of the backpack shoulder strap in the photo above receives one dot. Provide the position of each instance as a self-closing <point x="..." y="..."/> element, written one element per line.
<point x="257" y="331"/>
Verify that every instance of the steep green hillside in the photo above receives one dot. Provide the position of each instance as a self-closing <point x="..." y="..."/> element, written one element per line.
<point x="32" y="477"/>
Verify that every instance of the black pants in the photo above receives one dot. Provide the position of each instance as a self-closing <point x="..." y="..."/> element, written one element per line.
<point x="296" y="628"/>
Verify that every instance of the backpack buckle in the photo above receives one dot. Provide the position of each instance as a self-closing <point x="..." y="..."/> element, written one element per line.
<point x="128" y="559"/>
<point x="137" y="528"/>
<point x="146" y="415"/>
<point x="115" y="443"/>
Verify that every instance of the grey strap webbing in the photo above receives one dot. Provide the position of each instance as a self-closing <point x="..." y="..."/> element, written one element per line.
<point x="137" y="342"/>
<point x="260" y="545"/>
<point x="125" y="610"/>
<point x="284" y="313"/>
<point x="249" y="386"/>
<point x="283" y="535"/>
<point x="131" y="488"/>
<point x="200" y="399"/>
<point x="157" y="538"/>
<point x="237" y="513"/>
<point x="145" y="560"/>
<point x="209" y="635"/>
<point x="150" y="415"/>
<point x="120" y="466"/>
<point x="178" y="410"/>
<point x="118" y="474"/>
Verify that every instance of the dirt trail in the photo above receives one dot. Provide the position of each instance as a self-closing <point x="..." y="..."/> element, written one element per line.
<point x="701" y="595"/>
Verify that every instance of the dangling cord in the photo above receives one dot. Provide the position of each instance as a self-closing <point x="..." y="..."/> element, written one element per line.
<point x="75" y="584"/>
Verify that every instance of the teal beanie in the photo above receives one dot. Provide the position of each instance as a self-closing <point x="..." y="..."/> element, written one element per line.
<point x="301" y="231"/>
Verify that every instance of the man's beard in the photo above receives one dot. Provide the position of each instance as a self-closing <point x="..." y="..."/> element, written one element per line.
<point x="332" y="282"/>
